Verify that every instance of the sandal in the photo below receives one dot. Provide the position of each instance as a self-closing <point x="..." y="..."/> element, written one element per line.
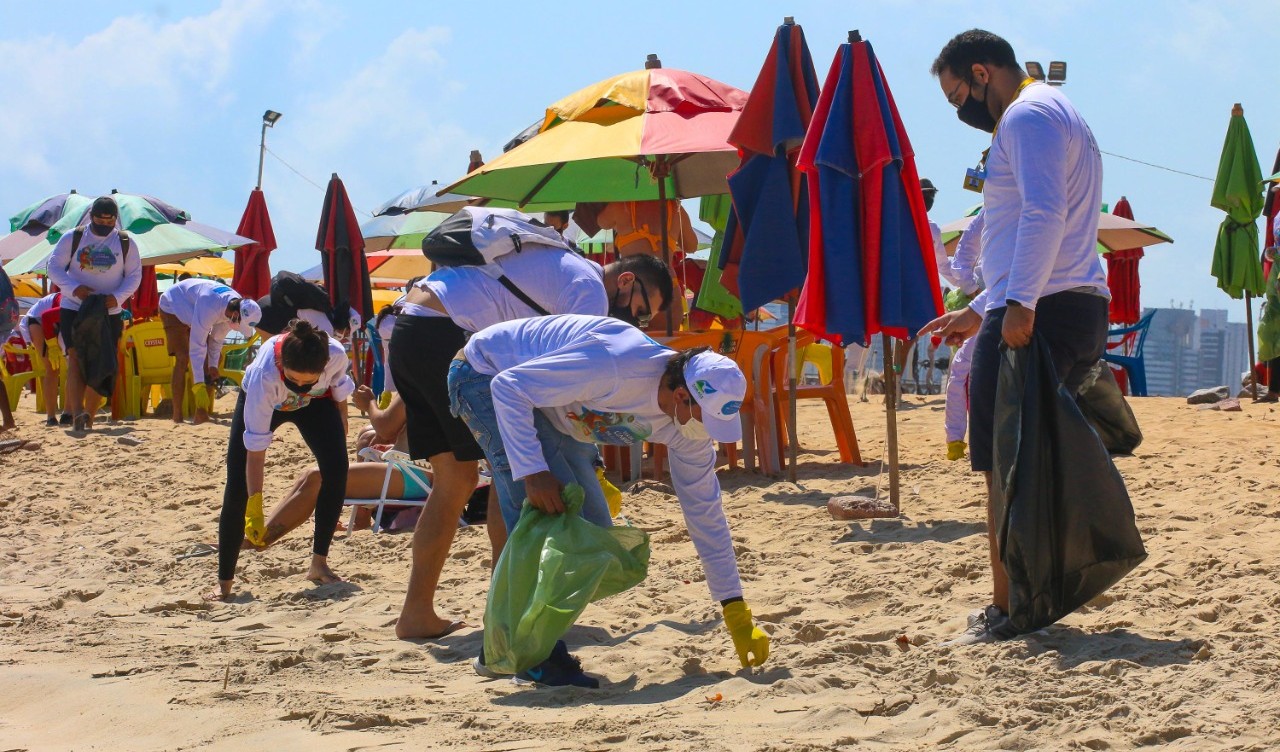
<point x="81" y="422"/>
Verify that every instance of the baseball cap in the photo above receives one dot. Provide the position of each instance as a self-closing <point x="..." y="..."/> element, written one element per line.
<point x="250" y="312"/>
<point x="927" y="185"/>
<point x="719" y="387"/>
<point x="105" y="206"/>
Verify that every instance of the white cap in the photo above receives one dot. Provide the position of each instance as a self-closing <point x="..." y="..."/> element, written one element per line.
<point x="719" y="387"/>
<point x="250" y="312"/>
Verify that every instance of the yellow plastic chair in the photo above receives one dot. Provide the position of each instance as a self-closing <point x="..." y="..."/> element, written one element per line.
<point x="147" y="365"/>
<point x="56" y="360"/>
<point x="13" y="382"/>
<point x="819" y="355"/>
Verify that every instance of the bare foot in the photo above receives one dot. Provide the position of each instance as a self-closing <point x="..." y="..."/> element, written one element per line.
<point x="177" y="421"/>
<point x="424" y="625"/>
<point x="321" y="573"/>
<point x="248" y="545"/>
<point x="200" y="417"/>
<point x="222" y="593"/>
<point x="7" y="427"/>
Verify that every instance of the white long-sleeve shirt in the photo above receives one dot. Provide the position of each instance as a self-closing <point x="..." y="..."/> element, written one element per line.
<point x="99" y="265"/>
<point x="1042" y="197"/>
<point x="202" y="305"/>
<point x="265" y="392"/>
<point x="559" y="281"/>
<point x="597" y="378"/>
<point x="940" y="256"/>
<point x="964" y="262"/>
<point x="34" y="313"/>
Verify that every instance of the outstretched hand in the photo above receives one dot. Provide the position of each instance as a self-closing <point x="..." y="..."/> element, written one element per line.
<point x="954" y="327"/>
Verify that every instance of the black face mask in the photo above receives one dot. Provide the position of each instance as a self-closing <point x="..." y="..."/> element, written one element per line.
<point x="974" y="114"/>
<point x="928" y="201"/>
<point x="624" y="313"/>
<point x="295" y="387"/>
<point x="100" y="230"/>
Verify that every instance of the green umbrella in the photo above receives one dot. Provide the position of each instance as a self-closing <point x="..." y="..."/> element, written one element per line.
<point x="1238" y="192"/>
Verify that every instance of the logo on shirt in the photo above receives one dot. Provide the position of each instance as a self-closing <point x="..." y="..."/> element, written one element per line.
<point x="608" y="428"/>
<point x="294" y="402"/>
<point x="95" y="258"/>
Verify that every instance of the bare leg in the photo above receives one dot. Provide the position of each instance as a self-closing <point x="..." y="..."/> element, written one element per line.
<point x="49" y="378"/>
<point x="999" y="578"/>
<point x="177" y="394"/>
<point x="364" y="481"/>
<point x="75" y="384"/>
<point x="6" y="415"/>
<point x="453" y="484"/>
<point x="494" y="524"/>
<point x="92" y="403"/>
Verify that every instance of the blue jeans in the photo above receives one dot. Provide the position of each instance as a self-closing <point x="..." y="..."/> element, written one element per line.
<point x="569" y="460"/>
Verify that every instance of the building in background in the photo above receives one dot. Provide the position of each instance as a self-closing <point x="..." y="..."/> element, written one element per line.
<point x="1185" y="352"/>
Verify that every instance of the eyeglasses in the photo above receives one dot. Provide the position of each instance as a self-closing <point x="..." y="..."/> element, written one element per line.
<point x="951" y="97"/>
<point x="643" y="319"/>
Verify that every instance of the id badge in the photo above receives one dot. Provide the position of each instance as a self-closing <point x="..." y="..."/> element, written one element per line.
<point x="974" y="179"/>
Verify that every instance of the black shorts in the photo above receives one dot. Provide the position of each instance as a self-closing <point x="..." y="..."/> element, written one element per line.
<point x="67" y="323"/>
<point x="1075" y="326"/>
<point x="422" y="347"/>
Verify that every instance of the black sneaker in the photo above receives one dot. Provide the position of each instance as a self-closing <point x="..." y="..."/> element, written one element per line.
<point x="991" y="624"/>
<point x="64" y="419"/>
<point x="559" y="670"/>
<point x="51" y="421"/>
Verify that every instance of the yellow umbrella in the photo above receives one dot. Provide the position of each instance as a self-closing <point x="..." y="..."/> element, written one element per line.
<point x="384" y="298"/>
<point x="205" y="266"/>
<point x="26" y="287"/>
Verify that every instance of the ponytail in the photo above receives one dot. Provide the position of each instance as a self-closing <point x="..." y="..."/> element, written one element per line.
<point x="305" y="348"/>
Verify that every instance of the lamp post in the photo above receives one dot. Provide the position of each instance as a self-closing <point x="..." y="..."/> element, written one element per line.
<point x="1057" y="72"/>
<point x="269" y="119"/>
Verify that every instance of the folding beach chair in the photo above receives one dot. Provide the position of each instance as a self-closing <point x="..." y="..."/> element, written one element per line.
<point x="395" y="460"/>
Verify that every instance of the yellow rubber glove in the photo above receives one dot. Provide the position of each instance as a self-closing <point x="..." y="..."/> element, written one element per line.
<point x="384" y="401"/>
<point x="200" y="396"/>
<point x="955" y="450"/>
<point x="750" y="641"/>
<point x="255" y="527"/>
<point x="612" y="496"/>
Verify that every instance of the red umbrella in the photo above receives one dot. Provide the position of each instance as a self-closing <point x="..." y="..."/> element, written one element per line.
<point x="346" y="270"/>
<point x="145" y="303"/>
<point x="252" y="277"/>
<point x="1271" y="212"/>
<point x="1122" y="276"/>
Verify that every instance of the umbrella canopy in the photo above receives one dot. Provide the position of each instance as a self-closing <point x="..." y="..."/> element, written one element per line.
<point x="28" y="227"/>
<point x="871" y="264"/>
<point x="160" y="232"/>
<point x="251" y="276"/>
<point x="770" y="201"/>
<point x="397" y="266"/>
<point x="388" y="231"/>
<point x="204" y="266"/>
<point x="658" y="133"/>
<point x="1238" y="192"/>
<point x="1115" y="232"/>
<point x="384" y="298"/>
<point x="26" y="288"/>
<point x="346" y="272"/>
<point x="1122" y="275"/>
<point x="424" y="198"/>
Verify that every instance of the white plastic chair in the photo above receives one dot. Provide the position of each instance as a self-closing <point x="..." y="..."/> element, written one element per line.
<point x="411" y="472"/>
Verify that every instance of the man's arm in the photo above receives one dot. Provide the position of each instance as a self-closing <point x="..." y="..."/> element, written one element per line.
<point x="132" y="275"/>
<point x="58" y="263"/>
<point x="1036" y="144"/>
<point x="693" y="474"/>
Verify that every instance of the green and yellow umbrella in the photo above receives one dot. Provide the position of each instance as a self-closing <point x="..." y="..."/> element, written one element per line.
<point x="1238" y="192"/>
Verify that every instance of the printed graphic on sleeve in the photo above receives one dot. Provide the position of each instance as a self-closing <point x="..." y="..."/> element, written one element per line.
<point x="97" y="258"/>
<point x="608" y="428"/>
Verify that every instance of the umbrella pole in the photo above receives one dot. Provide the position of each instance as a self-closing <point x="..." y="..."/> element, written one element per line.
<point x="891" y="416"/>
<point x="1248" y="317"/>
<point x="791" y="387"/>
<point x="677" y="299"/>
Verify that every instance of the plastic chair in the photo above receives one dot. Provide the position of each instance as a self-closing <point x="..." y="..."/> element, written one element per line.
<point x="395" y="460"/>
<point x="1132" y="363"/>
<point x="831" y="391"/>
<point x="13" y="382"/>
<point x="147" y="365"/>
<point x="20" y="377"/>
<point x="235" y="358"/>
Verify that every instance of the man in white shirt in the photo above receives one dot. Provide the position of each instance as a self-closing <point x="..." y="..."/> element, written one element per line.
<point x="1041" y="200"/>
<point x="534" y="389"/>
<point x="435" y="317"/>
<point x="92" y="260"/>
<point x="197" y="315"/>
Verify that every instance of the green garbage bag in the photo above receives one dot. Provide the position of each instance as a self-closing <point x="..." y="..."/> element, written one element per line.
<point x="552" y="566"/>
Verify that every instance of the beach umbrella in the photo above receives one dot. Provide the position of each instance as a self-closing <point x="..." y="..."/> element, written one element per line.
<point x="654" y="134"/>
<point x="770" y="198"/>
<point x="1122" y="275"/>
<point x="397" y="266"/>
<point x="1114" y="232"/>
<point x="159" y="231"/>
<point x="871" y="262"/>
<point x="346" y="272"/>
<point x="28" y="227"/>
<point x="145" y="302"/>
<point x="405" y="230"/>
<point x="251" y="275"/>
<point x="1238" y="192"/>
<point x="424" y="198"/>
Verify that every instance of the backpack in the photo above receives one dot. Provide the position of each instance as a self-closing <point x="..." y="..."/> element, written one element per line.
<point x="479" y="236"/>
<point x="78" y="234"/>
<point x="295" y="292"/>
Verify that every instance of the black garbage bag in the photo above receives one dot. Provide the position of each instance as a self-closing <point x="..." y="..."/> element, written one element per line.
<point x="1067" y="529"/>
<point x="95" y="343"/>
<point x="1106" y="409"/>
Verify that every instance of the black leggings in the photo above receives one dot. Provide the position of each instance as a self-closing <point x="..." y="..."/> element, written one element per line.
<point x="321" y="427"/>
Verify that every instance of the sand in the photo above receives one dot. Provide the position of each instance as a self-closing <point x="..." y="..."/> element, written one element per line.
<point x="105" y="642"/>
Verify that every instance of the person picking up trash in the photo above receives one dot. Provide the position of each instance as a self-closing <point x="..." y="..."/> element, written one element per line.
<point x="539" y="393"/>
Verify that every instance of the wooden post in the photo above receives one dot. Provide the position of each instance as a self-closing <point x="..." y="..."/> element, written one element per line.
<point x="891" y="417"/>
<point x="791" y="387"/>
<point x="1248" y="317"/>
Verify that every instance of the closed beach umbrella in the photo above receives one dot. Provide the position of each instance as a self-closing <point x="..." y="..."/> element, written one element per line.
<point x="1122" y="276"/>
<point x="1238" y="192"/>
<point x="251" y="276"/>
<point x="346" y="272"/>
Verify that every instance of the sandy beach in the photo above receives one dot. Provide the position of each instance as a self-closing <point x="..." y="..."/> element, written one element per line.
<point x="106" y="643"/>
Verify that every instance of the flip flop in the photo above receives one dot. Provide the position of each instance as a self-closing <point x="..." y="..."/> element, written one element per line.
<point x="453" y="627"/>
<point x="81" y="422"/>
<point x="198" y="550"/>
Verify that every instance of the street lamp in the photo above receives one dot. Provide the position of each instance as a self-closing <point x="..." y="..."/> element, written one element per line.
<point x="269" y="119"/>
<point x="1057" y="72"/>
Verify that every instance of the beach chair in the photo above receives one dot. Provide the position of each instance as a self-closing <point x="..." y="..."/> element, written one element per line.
<point x="831" y="391"/>
<point x="235" y="358"/>
<point x="13" y="382"/>
<point x="1134" y="366"/>
<point x="395" y="460"/>
<point x="148" y="367"/>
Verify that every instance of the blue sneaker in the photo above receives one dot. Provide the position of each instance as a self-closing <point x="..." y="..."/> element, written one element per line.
<point x="560" y="669"/>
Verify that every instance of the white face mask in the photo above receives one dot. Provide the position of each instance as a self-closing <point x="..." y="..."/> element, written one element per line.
<point x="693" y="428"/>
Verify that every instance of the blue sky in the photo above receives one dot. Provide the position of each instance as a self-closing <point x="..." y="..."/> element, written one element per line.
<point x="167" y="98"/>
